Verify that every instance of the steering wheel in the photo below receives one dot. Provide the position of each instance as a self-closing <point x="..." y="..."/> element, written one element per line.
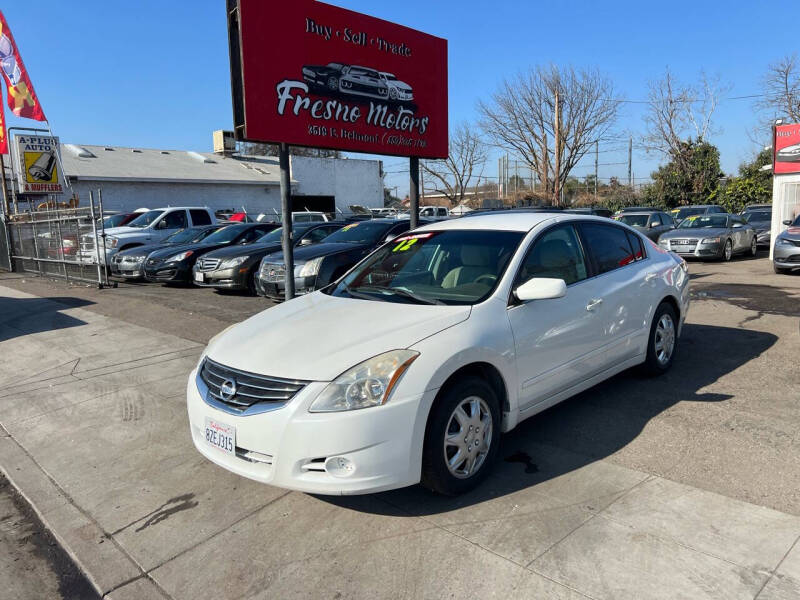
<point x="491" y="278"/>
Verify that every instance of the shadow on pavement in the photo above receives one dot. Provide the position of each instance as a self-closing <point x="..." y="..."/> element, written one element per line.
<point x="592" y="425"/>
<point x="16" y="315"/>
<point x="761" y="299"/>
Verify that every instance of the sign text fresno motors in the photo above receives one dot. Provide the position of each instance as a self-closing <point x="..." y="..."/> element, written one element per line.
<point x="339" y="79"/>
<point x="787" y="149"/>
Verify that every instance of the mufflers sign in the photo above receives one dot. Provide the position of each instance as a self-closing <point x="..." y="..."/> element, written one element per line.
<point x="37" y="164"/>
<point x="311" y="74"/>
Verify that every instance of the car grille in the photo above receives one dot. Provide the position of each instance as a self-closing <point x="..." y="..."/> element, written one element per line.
<point x="683" y="242"/>
<point x="151" y="262"/>
<point x="272" y="272"/>
<point x="208" y="264"/>
<point x="250" y="388"/>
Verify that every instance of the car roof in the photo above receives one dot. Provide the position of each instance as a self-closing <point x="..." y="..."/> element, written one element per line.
<point x="509" y="220"/>
<point x="640" y="212"/>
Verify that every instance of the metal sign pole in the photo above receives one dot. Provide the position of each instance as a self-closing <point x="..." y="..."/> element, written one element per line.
<point x="413" y="192"/>
<point x="286" y="220"/>
<point x="103" y="235"/>
<point x="96" y="240"/>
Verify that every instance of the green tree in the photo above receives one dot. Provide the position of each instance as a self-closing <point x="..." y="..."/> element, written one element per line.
<point x="690" y="177"/>
<point x="752" y="186"/>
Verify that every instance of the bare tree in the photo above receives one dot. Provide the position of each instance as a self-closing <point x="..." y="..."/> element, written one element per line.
<point x="452" y="176"/>
<point x="782" y="88"/>
<point x="678" y="113"/>
<point x="551" y="117"/>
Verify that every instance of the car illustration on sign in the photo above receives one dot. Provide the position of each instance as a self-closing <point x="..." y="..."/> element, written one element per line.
<point x="398" y="90"/>
<point x="336" y="78"/>
<point x="789" y="154"/>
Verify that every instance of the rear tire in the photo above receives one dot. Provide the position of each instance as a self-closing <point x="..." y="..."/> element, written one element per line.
<point x="663" y="340"/>
<point x="462" y="437"/>
<point x="251" y="283"/>
<point x="754" y="247"/>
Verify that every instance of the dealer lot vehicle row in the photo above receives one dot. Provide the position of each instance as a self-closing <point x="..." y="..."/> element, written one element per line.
<point x="474" y="325"/>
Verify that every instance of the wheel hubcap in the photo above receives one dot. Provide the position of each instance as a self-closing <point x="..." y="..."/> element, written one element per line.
<point x="468" y="437"/>
<point x="665" y="339"/>
<point x="728" y="251"/>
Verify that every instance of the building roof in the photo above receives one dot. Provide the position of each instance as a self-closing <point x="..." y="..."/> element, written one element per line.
<point x="115" y="163"/>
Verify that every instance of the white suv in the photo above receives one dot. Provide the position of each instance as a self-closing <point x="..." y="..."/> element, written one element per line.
<point x="410" y="367"/>
<point x="150" y="227"/>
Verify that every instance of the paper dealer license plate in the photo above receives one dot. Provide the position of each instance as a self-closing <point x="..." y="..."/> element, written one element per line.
<point x="221" y="436"/>
<point x="199" y="277"/>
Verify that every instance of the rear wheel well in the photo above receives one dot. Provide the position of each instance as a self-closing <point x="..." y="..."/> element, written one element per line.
<point x="485" y="371"/>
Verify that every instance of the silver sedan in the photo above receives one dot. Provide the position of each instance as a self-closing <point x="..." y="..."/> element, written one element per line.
<point x="786" y="256"/>
<point x="716" y="236"/>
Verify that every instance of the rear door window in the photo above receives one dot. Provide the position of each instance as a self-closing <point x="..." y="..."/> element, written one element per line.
<point x="608" y="245"/>
<point x="200" y="217"/>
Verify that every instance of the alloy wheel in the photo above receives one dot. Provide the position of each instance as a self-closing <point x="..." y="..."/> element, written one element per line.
<point x="728" y="250"/>
<point x="468" y="437"/>
<point x="664" y="341"/>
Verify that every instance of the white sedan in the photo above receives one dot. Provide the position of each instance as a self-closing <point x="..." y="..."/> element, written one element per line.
<point x="410" y="367"/>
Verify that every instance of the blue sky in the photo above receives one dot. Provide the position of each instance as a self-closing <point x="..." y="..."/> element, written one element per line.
<point x="155" y="74"/>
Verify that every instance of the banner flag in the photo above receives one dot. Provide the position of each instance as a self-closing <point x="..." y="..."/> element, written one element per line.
<point x="3" y="138"/>
<point x="22" y="98"/>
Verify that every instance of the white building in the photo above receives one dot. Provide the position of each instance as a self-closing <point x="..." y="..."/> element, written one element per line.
<point x="131" y="178"/>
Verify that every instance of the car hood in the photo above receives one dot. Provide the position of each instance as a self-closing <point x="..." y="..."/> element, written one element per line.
<point x="793" y="233"/>
<point x="317" y="250"/>
<point x="317" y="337"/>
<point x="244" y="250"/>
<point x="401" y="85"/>
<point x="700" y="232"/>
<point x="145" y="250"/>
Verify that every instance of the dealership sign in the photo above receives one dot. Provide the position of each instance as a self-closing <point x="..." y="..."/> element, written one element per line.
<point x="787" y="149"/>
<point x="37" y="164"/>
<point x="311" y="74"/>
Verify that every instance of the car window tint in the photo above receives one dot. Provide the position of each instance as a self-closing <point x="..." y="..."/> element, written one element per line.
<point x="200" y="217"/>
<point x="317" y="235"/>
<point x="609" y="246"/>
<point x="556" y="254"/>
<point x="636" y="243"/>
<point x="175" y="220"/>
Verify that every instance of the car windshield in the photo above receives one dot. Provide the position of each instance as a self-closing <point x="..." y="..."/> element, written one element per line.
<point x="146" y="219"/>
<point x="113" y="221"/>
<point x="186" y="236"/>
<point x="433" y="267"/>
<point x="273" y="236"/>
<point x="634" y="220"/>
<point x="757" y="215"/>
<point x="363" y="232"/>
<point x="687" y="212"/>
<point x="225" y="235"/>
<point x="704" y="222"/>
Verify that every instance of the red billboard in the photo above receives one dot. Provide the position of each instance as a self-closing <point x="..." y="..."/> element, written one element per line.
<point x="787" y="149"/>
<point x="310" y="74"/>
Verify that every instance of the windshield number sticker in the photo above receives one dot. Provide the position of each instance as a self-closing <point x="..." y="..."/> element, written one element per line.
<point x="405" y="245"/>
<point x="346" y="227"/>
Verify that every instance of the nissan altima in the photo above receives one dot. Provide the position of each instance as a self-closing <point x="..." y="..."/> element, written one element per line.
<point x="410" y="367"/>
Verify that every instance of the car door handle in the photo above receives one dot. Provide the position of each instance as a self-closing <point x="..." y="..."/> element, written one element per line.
<point x="650" y="277"/>
<point x="594" y="303"/>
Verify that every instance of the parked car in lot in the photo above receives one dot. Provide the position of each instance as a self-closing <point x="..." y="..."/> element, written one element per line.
<point x="593" y="210"/>
<point x="318" y="265"/>
<point x="718" y="236"/>
<point x="626" y="209"/>
<point x="150" y="227"/>
<point x="119" y="219"/>
<point x="410" y="367"/>
<point x="786" y="254"/>
<point x="679" y="214"/>
<point x="761" y="220"/>
<point x="129" y="264"/>
<point x="174" y="264"/>
<point x="650" y="223"/>
<point x="235" y="267"/>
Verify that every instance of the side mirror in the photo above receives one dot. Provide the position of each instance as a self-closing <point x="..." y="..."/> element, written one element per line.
<point x="788" y="222"/>
<point x="541" y="288"/>
<point x="655" y="224"/>
<point x="305" y="242"/>
<point x="737" y="225"/>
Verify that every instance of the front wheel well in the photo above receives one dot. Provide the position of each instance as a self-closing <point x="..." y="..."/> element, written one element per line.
<point x="485" y="371"/>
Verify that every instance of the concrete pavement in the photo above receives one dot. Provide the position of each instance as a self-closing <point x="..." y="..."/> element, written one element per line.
<point x="680" y="487"/>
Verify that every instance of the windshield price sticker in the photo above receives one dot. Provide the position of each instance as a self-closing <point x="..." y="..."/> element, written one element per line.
<point x="406" y="242"/>
<point x="348" y="227"/>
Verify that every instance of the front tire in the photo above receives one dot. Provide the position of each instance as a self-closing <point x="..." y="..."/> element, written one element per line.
<point x="663" y="340"/>
<point x="462" y="437"/>
<point x="754" y="247"/>
<point x="727" y="252"/>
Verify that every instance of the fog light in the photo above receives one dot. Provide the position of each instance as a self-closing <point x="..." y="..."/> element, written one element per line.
<point x="339" y="466"/>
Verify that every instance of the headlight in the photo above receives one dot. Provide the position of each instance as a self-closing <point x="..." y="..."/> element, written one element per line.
<point x="111" y="242"/>
<point x="229" y="263"/>
<point x="365" y="385"/>
<point x="139" y="258"/>
<point x="710" y="241"/>
<point x="784" y="242"/>
<point x="308" y="269"/>
<point x="664" y="243"/>
<point x="179" y="257"/>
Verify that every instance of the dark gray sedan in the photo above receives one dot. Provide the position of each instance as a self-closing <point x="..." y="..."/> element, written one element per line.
<point x="650" y="223"/>
<point x="711" y="236"/>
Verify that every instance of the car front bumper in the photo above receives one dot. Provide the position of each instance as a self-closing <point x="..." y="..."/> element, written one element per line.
<point x="231" y="279"/>
<point x="292" y="448"/>
<point x="127" y="270"/>
<point x="275" y="289"/>
<point x="786" y="256"/>
<point x="167" y="272"/>
<point x="702" y="251"/>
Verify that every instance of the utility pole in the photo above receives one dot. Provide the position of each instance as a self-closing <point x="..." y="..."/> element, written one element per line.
<point x="287" y="243"/>
<point x="545" y="166"/>
<point x="557" y="128"/>
<point x="630" y="161"/>
<point x="596" y="165"/>
<point x="413" y="192"/>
